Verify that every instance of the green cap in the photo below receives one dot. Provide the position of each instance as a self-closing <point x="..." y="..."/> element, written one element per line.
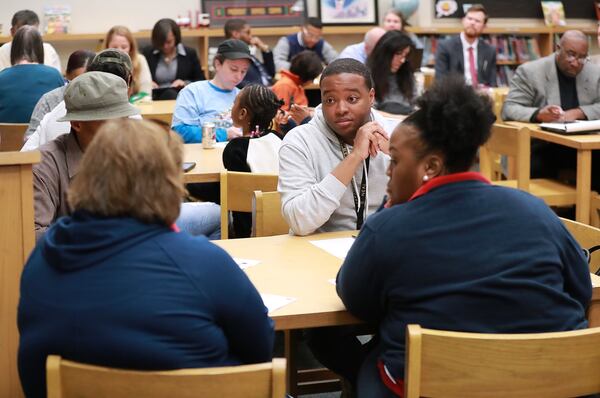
<point x="97" y="96"/>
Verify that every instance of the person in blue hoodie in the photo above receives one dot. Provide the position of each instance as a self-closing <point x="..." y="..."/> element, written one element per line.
<point x="115" y="284"/>
<point x="451" y="251"/>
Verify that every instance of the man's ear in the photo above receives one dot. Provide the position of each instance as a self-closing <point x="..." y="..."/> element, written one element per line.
<point x="76" y="126"/>
<point x="371" y="97"/>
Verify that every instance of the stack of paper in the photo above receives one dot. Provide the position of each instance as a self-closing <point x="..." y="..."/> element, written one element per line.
<point x="576" y="127"/>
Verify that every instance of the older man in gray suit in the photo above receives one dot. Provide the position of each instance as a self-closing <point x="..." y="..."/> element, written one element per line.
<point x="561" y="87"/>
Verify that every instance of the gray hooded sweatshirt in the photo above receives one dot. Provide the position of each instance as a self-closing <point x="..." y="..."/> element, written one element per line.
<point x="312" y="199"/>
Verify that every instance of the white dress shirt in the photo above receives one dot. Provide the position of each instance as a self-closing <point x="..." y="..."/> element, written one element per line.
<point x="466" y="46"/>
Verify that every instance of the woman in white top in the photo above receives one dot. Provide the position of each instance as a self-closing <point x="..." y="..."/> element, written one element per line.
<point x="120" y="37"/>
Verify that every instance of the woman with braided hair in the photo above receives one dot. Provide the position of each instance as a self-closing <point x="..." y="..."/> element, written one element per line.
<point x="258" y="149"/>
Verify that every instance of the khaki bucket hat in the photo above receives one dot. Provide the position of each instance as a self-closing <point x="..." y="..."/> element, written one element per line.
<point x="97" y="96"/>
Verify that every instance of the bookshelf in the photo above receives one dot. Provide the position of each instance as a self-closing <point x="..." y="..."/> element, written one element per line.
<point x="202" y="37"/>
<point x="515" y="45"/>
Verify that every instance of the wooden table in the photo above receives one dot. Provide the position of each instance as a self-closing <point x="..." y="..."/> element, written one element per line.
<point x="161" y="110"/>
<point x="292" y="266"/>
<point x="584" y="144"/>
<point x="209" y="163"/>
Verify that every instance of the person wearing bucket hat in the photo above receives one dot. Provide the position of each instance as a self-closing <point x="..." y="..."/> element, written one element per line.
<point x="90" y="100"/>
<point x="212" y="100"/>
<point x="111" y="61"/>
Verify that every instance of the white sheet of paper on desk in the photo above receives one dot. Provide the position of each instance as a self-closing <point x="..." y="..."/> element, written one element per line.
<point x="338" y="247"/>
<point x="245" y="263"/>
<point x="274" y="302"/>
<point x="221" y="144"/>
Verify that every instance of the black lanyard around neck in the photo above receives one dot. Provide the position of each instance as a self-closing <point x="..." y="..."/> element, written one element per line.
<point x="360" y="210"/>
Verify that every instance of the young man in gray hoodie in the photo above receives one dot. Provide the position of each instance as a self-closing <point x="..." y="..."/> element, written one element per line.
<point x="332" y="170"/>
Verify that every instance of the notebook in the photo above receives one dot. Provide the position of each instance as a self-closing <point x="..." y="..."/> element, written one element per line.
<point x="576" y="127"/>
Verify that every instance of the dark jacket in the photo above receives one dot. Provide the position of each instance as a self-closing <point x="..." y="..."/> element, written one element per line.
<point x="117" y="292"/>
<point x="466" y="256"/>
<point x="449" y="58"/>
<point x="253" y="76"/>
<point x="188" y="66"/>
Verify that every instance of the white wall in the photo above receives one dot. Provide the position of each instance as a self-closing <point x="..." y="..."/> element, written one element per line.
<point x="98" y="16"/>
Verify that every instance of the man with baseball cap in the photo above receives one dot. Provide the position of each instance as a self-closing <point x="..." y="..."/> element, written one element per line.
<point x="111" y="61"/>
<point x="90" y="100"/>
<point x="206" y="101"/>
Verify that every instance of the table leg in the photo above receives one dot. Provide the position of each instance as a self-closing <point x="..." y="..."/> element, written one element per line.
<point x="584" y="186"/>
<point x="290" y="344"/>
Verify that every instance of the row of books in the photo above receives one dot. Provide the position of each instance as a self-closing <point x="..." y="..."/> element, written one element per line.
<point x="516" y="49"/>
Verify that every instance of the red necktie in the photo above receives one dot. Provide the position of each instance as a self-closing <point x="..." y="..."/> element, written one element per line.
<point x="473" y="68"/>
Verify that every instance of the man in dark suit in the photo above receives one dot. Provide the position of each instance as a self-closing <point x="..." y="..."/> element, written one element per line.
<point x="466" y="53"/>
<point x="258" y="72"/>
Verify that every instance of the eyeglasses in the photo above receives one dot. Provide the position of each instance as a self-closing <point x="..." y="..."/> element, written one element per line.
<point x="310" y="35"/>
<point x="574" y="57"/>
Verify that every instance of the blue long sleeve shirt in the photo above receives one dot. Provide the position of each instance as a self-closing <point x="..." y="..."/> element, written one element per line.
<point x="201" y="102"/>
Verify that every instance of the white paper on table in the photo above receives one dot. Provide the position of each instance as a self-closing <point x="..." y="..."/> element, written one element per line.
<point x="221" y="144"/>
<point x="274" y="302"/>
<point x="245" y="262"/>
<point x="338" y="247"/>
<point x="332" y="281"/>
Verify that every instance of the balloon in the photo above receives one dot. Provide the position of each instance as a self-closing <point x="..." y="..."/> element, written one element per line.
<point x="406" y="7"/>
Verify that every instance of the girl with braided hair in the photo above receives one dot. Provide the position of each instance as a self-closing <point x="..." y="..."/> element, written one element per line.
<point x="258" y="149"/>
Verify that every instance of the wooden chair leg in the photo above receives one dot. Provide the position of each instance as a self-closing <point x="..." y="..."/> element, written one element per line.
<point x="290" y="347"/>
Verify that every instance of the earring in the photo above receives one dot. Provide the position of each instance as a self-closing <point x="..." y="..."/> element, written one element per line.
<point x="425" y="178"/>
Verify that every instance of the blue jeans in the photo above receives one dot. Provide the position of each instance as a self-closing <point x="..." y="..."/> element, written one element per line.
<point x="200" y="218"/>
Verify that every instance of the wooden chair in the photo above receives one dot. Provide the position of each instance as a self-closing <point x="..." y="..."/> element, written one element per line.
<point x="67" y="379"/>
<point x="587" y="236"/>
<point x="515" y="143"/>
<point x="595" y="209"/>
<point x="454" y="364"/>
<point x="237" y="190"/>
<point x="12" y="136"/>
<point x="267" y="219"/>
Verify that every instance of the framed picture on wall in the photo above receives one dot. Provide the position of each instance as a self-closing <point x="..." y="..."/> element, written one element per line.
<point x="348" y="12"/>
<point x="256" y="12"/>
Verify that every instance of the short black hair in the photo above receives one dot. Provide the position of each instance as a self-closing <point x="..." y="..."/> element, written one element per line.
<point x="161" y="30"/>
<point x="454" y="119"/>
<point x="313" y="21"/>
<point x="233" y="25"/>
<point x="24" y="17"/>
<point x="348" y="65"/>
<point x="79" y="59"/>
<point x="100" y="64"/>
<point x="262" y="104"/>
<point x="306" y="65"/>
<point x="27" y="45"/>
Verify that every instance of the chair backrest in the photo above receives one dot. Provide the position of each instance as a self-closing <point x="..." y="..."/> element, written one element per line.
<point x="237" y="190"/>
<point x="267" y="219"/>
<point x="510" y="141"/>
<point x="12" y="136"/>
<point x="587" y="236"/>
<point x="455" y="364"/>
<point x="67" y="379"/>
